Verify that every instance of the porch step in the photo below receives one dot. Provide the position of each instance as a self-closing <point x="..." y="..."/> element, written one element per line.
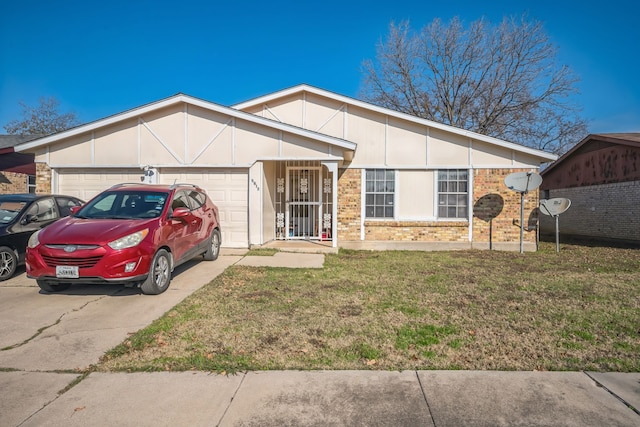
<point x="300" y="246"/>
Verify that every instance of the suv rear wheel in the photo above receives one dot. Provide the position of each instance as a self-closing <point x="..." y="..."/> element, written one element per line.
<point x="159" y="274"/>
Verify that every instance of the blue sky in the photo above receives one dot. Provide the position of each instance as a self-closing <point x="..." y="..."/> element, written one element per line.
<point x="102" y="58"/>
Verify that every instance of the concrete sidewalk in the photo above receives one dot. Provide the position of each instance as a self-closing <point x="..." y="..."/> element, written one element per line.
<point x="39" y="384"/>
<point x="321" y="398"/>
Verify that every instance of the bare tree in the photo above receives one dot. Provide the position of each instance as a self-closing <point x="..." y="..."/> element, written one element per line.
<point x="502" y="81"/>
<point x="44" y="119"/>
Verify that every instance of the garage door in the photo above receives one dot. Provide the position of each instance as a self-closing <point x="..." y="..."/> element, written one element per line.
<point x="229" y="190"/>
<point x="87" y="183"/>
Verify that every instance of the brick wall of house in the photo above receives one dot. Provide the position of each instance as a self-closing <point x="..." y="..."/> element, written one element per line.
<point x="607" y="211"/>
<point x="417" y="231"/>
<point x="349" y="208"/>
<point x="18" y="183"/>
<point x="43" y="178"/>
<point x="498" y="207"/>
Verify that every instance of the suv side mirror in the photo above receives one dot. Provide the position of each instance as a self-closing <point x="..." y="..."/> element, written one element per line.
<point x="74" y="209"/>
<point x="180" y="212"/>
<point x="28" y="219"/>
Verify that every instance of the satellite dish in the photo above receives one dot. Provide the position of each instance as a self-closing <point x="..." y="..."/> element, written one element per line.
<point x="523" y="182"/>
<point x="554" y="207"/>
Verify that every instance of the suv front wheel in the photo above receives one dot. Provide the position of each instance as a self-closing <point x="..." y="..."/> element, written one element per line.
<point x="159" y="274"/>
<point x="8" y="262"/>
<point x="213" y="250"/>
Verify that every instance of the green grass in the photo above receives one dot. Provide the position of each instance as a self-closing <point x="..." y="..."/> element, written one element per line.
<point x="574" y="310"/>
<point x="261" y="252"/>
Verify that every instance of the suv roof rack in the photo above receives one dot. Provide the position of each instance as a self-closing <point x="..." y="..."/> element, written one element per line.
<point x="123" y="184"/>
<point x="182" y="184"/>
<point x="171" y="187"/>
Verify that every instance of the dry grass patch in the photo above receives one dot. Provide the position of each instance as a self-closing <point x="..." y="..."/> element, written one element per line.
<point x="579" y="309"/>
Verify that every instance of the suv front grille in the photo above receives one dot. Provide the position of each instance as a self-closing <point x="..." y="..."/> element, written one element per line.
<point x="88" y="262"/>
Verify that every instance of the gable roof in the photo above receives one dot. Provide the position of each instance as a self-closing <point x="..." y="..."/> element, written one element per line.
<point x="628" y="139"/>
<point x="546" y="156"/>
<point x="182" y="98"/>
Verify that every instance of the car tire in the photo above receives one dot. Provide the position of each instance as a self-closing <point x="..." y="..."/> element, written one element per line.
<point x="213" y="250"/>
<point x="8" y="263"/>
<point x="159" y="274"/>
<point x="52" y="288"/>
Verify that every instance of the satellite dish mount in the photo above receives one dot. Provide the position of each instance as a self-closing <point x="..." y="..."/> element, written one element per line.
<point x="554" y="207"/>
<point x="522" y="182"/>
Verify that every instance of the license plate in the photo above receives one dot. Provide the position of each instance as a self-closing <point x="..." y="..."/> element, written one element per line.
<point x="67" y="272"/>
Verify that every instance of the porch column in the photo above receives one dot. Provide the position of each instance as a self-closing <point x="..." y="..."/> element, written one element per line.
<point x="256" y="208"/>
<point x="333" y="168"/>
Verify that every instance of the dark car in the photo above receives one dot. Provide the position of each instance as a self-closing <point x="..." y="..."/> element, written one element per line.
<point x="20" y="216"/>
<point x="130" y="234"/>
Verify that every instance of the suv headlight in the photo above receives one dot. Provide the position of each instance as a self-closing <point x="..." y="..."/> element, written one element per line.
<point x="33" y="240"/>
<point x="129" y="241"/>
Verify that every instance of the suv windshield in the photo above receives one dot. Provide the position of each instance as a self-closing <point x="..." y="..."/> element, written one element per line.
<point x="124" y="205"/>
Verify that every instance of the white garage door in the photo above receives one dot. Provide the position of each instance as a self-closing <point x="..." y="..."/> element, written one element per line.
<point x="86" y="183"/>
<point x="228" y="189"/>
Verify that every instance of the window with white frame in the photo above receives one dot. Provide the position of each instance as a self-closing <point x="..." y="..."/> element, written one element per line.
<point x="379" y="193"/>
<point x="31" y="183"/>
<point x="453" y="193"/>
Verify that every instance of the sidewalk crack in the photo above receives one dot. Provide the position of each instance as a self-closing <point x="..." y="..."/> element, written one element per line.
<point x="224" y="414"/>
<point x="73" y="383"/>
<point x="424" y="395"/>
<point x="624" y="402"/>
<point x="44" y="328"/>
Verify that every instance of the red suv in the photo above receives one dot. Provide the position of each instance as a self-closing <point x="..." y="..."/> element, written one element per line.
<point x="131" y="234"/>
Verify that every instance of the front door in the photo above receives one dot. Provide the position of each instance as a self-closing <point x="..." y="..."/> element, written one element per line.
<point x="304" y="202"/>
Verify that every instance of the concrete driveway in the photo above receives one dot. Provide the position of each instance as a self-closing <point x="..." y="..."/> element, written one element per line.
<point x="70" y="330"/>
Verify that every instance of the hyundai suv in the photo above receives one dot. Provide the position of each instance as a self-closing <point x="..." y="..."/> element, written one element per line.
<point x="130" y="234"/>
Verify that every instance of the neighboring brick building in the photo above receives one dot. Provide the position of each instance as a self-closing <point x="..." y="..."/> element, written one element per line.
<point x="601" y="177"/>
<point x="17" y="170"/>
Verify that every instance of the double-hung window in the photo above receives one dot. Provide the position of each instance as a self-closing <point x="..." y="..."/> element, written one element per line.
<point x="379" y="193"/>
<point x="31" y="183"/>
<point x="453" y="193"/>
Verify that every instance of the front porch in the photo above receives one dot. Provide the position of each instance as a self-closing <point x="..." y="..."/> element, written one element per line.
<point x="298" y="201"/>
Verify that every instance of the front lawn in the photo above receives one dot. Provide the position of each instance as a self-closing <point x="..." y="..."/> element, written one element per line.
<point x="574" y="310"/>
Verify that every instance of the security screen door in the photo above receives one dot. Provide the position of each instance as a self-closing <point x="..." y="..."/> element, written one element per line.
<point x="304" y="202"/>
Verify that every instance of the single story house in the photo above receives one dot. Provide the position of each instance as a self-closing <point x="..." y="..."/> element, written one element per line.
<point x="17" y="170"/>
<point x="306" y="164"/>
<point x="601" y="177"/>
